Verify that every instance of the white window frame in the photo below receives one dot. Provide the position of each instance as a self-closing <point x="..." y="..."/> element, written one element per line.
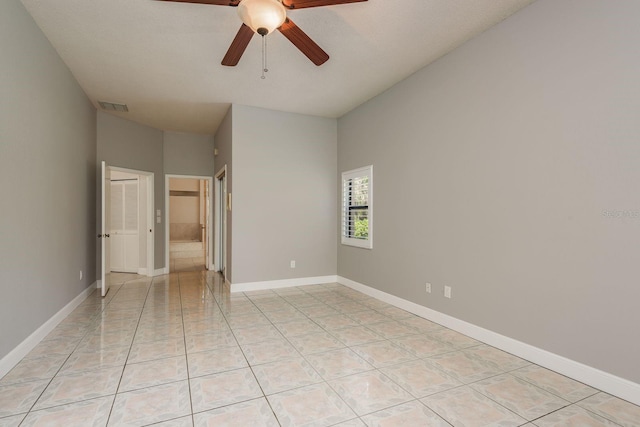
<point x="367" y="243"/>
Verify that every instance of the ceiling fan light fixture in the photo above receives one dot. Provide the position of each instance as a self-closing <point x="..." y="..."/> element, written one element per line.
<point x="262" y="16"/>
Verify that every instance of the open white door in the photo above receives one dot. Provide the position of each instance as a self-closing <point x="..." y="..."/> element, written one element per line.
<point x="220" y="222"/>
<point x="124" y="236"/>
<point x="224" y="207"/>
<point x="207" y="201"/>
<point x="106" y="226"/>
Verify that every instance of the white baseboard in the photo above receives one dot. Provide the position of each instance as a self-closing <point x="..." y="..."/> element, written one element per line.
<point x="596" y="378"/>
<point x="142" y="271"/>
<point x="10" y="360"/>
<point x="285" y="283"/>
<point x="160" y="271"/>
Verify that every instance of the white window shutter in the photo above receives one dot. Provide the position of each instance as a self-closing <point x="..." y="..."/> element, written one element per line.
<point x="357" y="204"/>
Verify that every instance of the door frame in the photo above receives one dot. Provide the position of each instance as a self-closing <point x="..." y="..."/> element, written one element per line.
<point x="103" y="234"/>
<point x="149" y="178"/>
<point x="167" y="219"/>
<point x="220" y="256"/>
<point x="126" y="246"/>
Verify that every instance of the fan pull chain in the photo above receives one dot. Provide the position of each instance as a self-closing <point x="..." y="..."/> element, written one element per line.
<point x="264" y="57"/>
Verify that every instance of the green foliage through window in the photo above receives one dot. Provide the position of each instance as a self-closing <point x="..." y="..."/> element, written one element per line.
<point x="362" y="228"/>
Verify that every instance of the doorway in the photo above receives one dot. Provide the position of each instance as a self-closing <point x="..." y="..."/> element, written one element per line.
<point x="188" y="222"/>
<point x="221" y="206"/>
<point x="126" y="217"/>
<point x="125" y="222"/>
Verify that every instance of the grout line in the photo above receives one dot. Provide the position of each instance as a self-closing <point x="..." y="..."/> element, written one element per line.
<point x="86" y="333"/>
<point x="349" y="303"/>
<point x="264" y="396"/>
<point x="130" y="345"/>
<point x="184" y="340"/>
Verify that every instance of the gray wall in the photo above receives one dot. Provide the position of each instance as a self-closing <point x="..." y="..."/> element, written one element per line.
<point x="47" y="176"/>
<point x="224" y="142"/>
<point x="284" y="180"/>
<point x="188" y="154"/>
<point x="508" y="170"/>
<point x="130" y="145"/>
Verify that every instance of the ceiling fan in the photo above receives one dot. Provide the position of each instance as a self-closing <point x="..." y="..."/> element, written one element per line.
<point x="265" y="16"/>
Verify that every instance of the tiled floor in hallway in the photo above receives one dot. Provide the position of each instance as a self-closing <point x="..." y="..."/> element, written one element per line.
<point x="179" y="350"/>
<point x="181" y="265"/>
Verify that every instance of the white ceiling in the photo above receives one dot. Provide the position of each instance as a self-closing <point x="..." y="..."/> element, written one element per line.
<point x="162" y="59"/>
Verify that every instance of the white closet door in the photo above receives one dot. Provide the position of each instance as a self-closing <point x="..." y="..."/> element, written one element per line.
<point x="124" y="226"/>
<point x="131" y="241"/>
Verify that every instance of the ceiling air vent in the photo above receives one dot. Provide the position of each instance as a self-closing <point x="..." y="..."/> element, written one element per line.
<point x="110" y="106"/>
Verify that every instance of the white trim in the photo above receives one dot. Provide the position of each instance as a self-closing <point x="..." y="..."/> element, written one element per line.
<point x="160" y="271"/>
<point x="142" y="271"/>
<point x="349" y="175"/>
<point x="285" y="283"/>
<point x="220" y="256"/>
<point x="151" y="216"/>
<point x="21" y="350"/>
<point x="105" y="203"/>
<point x="601" y="380"/>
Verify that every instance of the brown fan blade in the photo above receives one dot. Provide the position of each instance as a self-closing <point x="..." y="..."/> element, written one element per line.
<point x="300" y="4"/>
<point x="303" y="42"/>
<point x="238" y="46"/>
<point x="214" y="2"/>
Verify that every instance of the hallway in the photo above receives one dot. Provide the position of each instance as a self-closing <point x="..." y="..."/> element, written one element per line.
<point x="186" y="256"/>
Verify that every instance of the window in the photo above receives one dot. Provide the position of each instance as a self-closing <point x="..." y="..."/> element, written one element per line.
<point x="357" y="202"/>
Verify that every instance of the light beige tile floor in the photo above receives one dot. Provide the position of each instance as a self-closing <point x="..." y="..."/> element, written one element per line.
<point x="180" y="350"/>
<point x="177" y="265"/>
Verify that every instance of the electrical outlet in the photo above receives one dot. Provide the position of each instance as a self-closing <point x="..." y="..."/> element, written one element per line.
<point x="427" y="287"/>
<point x="447" y="291"/>
<point x="293" y="263"/>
